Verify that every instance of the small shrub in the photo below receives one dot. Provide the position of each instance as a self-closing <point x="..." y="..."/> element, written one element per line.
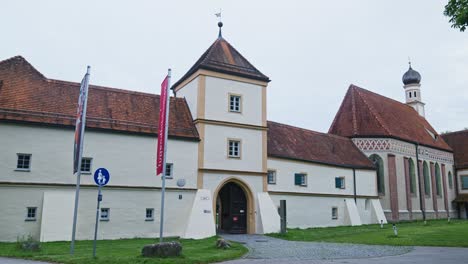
<point x="222" y="243"/>
<point x="28" y="244"/>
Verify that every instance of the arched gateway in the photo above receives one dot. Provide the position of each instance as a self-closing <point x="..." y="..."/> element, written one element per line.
<point x="233" y="208"/>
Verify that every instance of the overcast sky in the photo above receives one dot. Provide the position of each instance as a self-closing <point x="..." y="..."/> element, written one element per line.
<point x="311" y="50"/>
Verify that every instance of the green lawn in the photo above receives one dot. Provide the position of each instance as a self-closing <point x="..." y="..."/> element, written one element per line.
<point x="125" y="251"/>
<point x="434" y="233"/>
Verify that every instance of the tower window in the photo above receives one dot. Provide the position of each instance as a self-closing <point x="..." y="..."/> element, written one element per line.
<point x="234" y="148"/>
<point x="414" y="93"/>
<point x="235" y="103"/>
<point x="409" y="94"/>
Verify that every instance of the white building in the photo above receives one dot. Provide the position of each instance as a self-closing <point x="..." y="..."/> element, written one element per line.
<point x="229" y="166"/>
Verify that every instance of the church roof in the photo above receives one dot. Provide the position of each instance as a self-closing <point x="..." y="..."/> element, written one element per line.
<point x="224" y="58"/>
<point x="366" y="114"/>
<point x="296" y="143"/>
<point x="459" y="142"/>
<point x="27" y="96"/>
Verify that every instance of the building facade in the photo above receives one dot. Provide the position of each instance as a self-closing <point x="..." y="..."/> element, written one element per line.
<point x="228" y="167"/>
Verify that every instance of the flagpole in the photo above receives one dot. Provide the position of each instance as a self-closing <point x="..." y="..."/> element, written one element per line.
<point x="163" y="187"/>
<point x="78" y="173"/>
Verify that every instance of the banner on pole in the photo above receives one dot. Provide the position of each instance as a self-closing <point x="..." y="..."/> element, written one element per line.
<point x="162" y="137"/>
<point x="80" y="123"/>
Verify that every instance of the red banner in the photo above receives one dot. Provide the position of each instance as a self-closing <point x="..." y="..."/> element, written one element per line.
<point x="162" y="137"/>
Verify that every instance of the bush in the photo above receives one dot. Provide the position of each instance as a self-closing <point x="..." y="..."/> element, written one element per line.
<point x="28" y="244"/>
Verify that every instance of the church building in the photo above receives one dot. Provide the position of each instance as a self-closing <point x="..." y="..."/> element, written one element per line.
<point x="228" y="165"/>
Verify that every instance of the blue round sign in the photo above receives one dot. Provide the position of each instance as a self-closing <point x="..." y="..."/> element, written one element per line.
<point x="101" y="176"/>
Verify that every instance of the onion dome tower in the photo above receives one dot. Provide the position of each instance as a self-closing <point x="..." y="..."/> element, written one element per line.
<point x="411" y="83"/>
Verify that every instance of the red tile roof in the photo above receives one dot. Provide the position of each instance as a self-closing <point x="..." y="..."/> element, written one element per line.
<point x="366" y="114"/>
<point x="296" y="143"/>
<point x="459" y="143"/>
<point x="27" y="96"/>
<point x="223" y="57"/>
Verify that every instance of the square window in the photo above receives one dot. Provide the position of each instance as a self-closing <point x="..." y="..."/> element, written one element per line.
<point x="235" y="103"/>
<point x="334" y="213"/>
<point x="31" y="213"/>
<point x="169" y="170"/>
<point x="86" y="165"/>
<point x="24" y="162"/>
<point x="340" y="182"/>
<point x="149" y="214"/>
<point x="464" y="180"/>
<point x="300" y="179"/>
<point x="271" y="177"/>
<point x="234" y="149"/>
<point x="105" y="214"/>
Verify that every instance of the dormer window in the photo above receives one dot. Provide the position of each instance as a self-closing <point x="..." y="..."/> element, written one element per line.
<point x="235" y="103"/>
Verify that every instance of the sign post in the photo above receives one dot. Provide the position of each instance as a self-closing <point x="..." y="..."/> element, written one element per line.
<point x="101" y="178"/>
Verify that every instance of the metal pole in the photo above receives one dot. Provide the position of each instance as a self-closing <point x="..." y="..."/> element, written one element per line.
<point x="163" y="187"/>
<point x="78" y="176"/>
<point x="99" y="199"/>
<point x="354" y="185"/>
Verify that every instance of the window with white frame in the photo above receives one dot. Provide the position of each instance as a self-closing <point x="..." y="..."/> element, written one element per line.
<point x="271" y="177"/>
<point x="86" y="165"/>
<point x="334" y="213"/>
<point x="169" y="170"/>
<point x="149" y="214"/>
<point x="235" y="103"/>
<point x="234" y="148"/>
<point x="31" y="213"/>
<point x="105" y="214"/>
<point x="300" y="179"/>
<point x="24" y="162"/>
<point x="340" y="182"/>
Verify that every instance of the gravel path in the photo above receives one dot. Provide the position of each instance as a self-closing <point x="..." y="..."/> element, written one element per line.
<point x="264" y="247"/>
<point x="19" y="261"/>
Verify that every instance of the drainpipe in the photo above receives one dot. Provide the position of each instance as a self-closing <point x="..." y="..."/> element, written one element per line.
<point x="420" y="185"/>
<point x="354" y="183"/>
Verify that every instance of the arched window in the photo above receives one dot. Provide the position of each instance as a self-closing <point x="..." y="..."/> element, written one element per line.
<point x="450" y="180"/>
<point x="409" y="94"/>
<point x="438" y="181"/>
<point x="414" y="93"/>
<point x="378" y="162"/>
<point x="412" y="178"/>
<point x="427" y="179"/>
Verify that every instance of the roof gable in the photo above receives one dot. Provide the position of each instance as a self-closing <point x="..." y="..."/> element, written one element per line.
<point x="296" y="143"/>
<point x="364" y="113"/>
<point x="459" y="143"/>
<point x="54" y="102"/>
<point x="223" y="57"/>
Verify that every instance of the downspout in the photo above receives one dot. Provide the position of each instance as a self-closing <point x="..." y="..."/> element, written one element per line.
<point x="455" y="185"/>
<point x="420" y="185"/>
<point x="354" y="183"/>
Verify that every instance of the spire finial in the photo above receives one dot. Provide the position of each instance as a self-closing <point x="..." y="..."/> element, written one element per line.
<point x="220" y="23"/>
<point x="409" y="62"/>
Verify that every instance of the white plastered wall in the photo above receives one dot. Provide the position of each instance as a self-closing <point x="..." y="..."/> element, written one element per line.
<point x="190" y="93"/>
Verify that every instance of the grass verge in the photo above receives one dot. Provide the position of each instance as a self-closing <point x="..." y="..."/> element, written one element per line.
<point x="435" y="233"/>
<point x="125" y="251"/>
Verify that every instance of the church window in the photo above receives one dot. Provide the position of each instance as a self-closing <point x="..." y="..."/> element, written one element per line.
<point x="450" y="179"/>
<point x="271" y="177"/>
<point x="24" y="162"/>
<point x="464" y="180"/>
<point x="31" y="213"/>
<point x="300" y="179"/>
<point x="149" y="214"/>
<point x="334" y="213"/>
<point x="86" y="165"/>
<point x="378" y="162"/>
<point x="235" y="103"/>
<point x="412" y="179"/>
<point x="169" y="170"/>
<point x="234" y="148"/>
<point x="340" y="182"/>
<point x="427" y="181"/>
<point x="409" y="94"/>
<point x="438" y="181"/>
<point x="105" y="214"/>
<point x="414" y="93"/>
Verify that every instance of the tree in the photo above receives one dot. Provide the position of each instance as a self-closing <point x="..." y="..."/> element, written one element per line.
<point x="457" y="10"/>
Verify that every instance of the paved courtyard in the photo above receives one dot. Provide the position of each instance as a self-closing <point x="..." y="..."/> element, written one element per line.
<point x="271" y="250"/>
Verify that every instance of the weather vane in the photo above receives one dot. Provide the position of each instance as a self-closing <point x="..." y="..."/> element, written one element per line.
<point x="218" y="15"/>
<point x="220" y="23"/>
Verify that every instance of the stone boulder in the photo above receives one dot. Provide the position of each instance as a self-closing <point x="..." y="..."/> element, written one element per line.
<point x="162" y="250"/>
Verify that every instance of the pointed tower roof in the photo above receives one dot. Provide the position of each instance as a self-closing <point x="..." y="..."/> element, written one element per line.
<point x="224" y="58"/>
<point x="366" y="114"/>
